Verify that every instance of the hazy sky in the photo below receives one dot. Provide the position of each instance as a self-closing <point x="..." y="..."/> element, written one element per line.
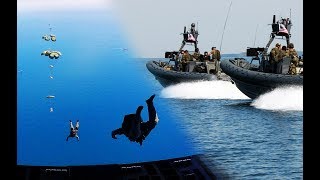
<point x="36" y="6"/>
<point x="154" y="26"/>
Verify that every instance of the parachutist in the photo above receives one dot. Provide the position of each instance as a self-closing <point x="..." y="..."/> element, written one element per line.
<point x="133" y="126"/>
<point x="53" y="37"/>
<point x="46" y="37"/>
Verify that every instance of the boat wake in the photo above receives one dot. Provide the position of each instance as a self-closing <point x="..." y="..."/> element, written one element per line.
<point x="203" y="90"/>
<point x="281" y="99"/>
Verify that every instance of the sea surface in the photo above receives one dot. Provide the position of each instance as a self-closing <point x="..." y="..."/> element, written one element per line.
<point x="97" y="82"/>
<point x="240" y="138"/>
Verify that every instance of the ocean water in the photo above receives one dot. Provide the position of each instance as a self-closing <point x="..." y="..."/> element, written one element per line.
<point x="241" y="138"/>
<point x="96" y="81"/>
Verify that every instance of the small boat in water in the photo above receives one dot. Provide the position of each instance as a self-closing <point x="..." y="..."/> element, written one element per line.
<point x="256" y="79"/>
<point x="167" y="73"/>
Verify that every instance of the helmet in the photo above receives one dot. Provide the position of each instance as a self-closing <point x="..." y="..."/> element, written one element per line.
<point x="193" y="25"/>
<point x="290" y="45"/>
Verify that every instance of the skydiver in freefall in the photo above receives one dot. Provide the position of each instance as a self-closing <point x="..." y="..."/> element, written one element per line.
<point x="133" y="126"/>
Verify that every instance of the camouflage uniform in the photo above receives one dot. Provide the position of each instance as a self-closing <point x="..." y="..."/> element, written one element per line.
<point x="274" y="57"/>
<point x="184" y="60"/>
<point x="281" y="55"/>
<point x="215" y="57"/>
<point x="196" y="56"/>
<point x="294" y="61"/>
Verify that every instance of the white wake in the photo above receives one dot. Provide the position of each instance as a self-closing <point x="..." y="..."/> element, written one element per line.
<point x="203" y="90"/>
<point x="288" y="98"/>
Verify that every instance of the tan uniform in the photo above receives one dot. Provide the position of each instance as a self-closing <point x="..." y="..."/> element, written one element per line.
<point x="215" y="55"/>
<point x="281" y="55"/>
<point x="196" y="56"/>
<point x="184" y="61"/>
<point x="294" y="61"/>
<point x="185" y="57"/>
<point x="273" y="55"/>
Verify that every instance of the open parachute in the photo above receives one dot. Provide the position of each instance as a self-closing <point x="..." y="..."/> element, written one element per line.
<point x="52" y="54"/>
<point x="51" y="37"/>
<point x="52" y="60"/>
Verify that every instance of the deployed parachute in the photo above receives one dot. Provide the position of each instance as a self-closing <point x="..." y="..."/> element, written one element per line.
<point x="52" y="60"/>
<point x="51" y="37"/>
<point x="46" y="37"/>
<point x="52" y="54"/>
<point x="55" y="54"/>
<point x="46" y="52"/>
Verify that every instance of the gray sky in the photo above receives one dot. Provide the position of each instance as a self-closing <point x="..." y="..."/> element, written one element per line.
<point x="154" y="26"/>
<point x="45" y="6"/>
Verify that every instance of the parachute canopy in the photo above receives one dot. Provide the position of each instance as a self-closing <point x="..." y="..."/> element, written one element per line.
<point x="46" y="37"/>
<point x="50" y="96"/>
<point x="52" y="54"/>
<point x="51" y="37"/>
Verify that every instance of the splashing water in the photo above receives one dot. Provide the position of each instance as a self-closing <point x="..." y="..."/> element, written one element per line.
<point x="203" y="90"/>
<point x="288" y="98"/>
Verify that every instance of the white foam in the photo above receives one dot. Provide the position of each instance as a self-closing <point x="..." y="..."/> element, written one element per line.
<point x="288" y="98"/>
<point x="203" y="90"/>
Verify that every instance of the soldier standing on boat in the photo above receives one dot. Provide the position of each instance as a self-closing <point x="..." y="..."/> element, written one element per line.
<point x="273" y="57"/>
<point x="282" y="53"/>
<point x="278" y="63"/>
<point x="185" y="60"/>
<point x="294" y="59"/>
<point x="196" y="55"/>
<point x="215" y="57"/>
<point x="177" y="61"/>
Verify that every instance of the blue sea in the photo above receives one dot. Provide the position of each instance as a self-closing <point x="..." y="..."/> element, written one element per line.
<point x="97" y="82"/>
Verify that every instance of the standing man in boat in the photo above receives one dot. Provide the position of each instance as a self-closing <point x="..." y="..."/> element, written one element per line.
<point x="215" y="57"/>
<point x="294" y="59"/>
<point x="196" y="55"/>
<point x="274" y="57"/>
<point x="282" y="53"/>
<point x="186" y="57"/>
<point x="177" y="62"/>
<point x="134" y="128"/>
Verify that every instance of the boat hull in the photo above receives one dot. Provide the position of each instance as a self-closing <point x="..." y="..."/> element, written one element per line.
<point x="169" y="77"/>
<point x="254" y="83"/>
